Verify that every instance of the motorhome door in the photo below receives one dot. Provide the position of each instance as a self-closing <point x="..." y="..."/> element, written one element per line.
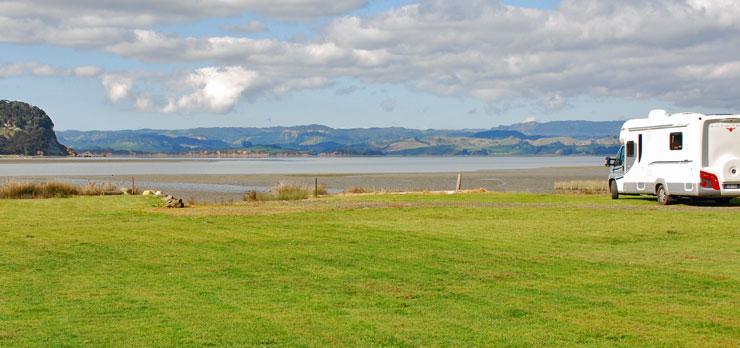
<point x="630" y="155"/>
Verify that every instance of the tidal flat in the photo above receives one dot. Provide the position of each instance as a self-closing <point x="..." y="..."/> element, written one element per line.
<point x="224" y="188"/>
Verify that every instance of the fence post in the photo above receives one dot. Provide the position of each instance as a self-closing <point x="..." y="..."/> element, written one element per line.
<point x="458" y="186"/>
<point x="316" y="187"/>
<point x="133" y="186"/>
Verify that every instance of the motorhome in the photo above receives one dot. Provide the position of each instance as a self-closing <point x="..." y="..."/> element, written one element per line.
<point x="678" y="155"/>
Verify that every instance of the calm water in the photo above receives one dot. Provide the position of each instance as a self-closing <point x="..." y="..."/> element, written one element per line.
<point x="117" y="166"/>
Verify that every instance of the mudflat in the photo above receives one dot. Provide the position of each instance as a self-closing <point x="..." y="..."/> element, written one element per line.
<point x="232" y="187"/>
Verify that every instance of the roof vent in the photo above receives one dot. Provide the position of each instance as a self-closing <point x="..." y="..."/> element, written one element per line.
<point x="658" y="114"/>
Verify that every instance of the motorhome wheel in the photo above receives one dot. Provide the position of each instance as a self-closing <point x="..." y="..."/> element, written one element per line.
<point x="613" y="189"/>
<point x="663" y="197"/>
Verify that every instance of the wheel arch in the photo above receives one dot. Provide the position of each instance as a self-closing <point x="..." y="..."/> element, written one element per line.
<point x="659" y="183"/>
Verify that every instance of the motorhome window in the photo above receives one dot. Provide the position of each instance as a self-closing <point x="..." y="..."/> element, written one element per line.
<point x="630" y="149"/>
<point x="677" y="141"/>
<point x="639" y="148"/>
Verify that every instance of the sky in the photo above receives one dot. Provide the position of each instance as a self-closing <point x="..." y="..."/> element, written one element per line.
<point x="110" y="64"/>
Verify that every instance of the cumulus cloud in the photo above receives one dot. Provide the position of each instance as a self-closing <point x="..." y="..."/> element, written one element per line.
<point x="39" y="69"/>
<point x="117" y="86"/>
<point x="554" y="103"/>
<point x="494" y="52"/>
<point x="683" y="51"/>
<point x="141" y="13"/>
<point x="87" y="71"/>
<point x="213" y="89"/>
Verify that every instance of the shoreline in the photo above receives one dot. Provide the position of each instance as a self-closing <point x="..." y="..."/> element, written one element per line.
<point x="227" y="187"/>
<point x="51" y="159"/>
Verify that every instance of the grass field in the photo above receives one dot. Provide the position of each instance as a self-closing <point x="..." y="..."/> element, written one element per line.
<point x="394" y="270"/>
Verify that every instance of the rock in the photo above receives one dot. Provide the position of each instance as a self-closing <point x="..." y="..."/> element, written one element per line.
<point x="147" y="193"/>
<point x="158" y="193"/>
<point x="173" y="202"/>
<point x="124" y="190"/>
<point x="27" y="130"/>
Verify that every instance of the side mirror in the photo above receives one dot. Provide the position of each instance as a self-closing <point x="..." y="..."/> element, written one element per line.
<point x="610" y="161"/>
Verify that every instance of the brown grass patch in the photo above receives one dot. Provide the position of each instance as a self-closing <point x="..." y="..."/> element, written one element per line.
<point x="588" y="187"/>
<point x="286" y="192"/>
<point x="357" y="190"/>
<point x="31" y="190"/>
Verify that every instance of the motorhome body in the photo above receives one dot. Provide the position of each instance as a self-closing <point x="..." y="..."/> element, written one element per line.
<point x="674" y="155"/>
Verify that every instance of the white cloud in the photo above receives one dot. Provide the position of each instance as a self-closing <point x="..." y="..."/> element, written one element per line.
<point x="683" y="51"/>
<point x="554" y="103"/>
<point x="39" y="69"/>
<point x="87" y="71"/>
<point x="213" y="89"/>
<point x="148" y="13"/>
<point x="117" y="86"/>
<point x="493" y="52"/>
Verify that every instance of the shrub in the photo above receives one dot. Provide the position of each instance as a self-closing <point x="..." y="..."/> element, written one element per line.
<point x="321" y="190"/>
<point x="28" y="190"/>
<point x="94" y="189"/>
<point x="285" y="192"/>
<point x="356" y="189"/>
<point x="582" y="186"/>
<point x="254" y="196"/>
<point x="290" y="192"/>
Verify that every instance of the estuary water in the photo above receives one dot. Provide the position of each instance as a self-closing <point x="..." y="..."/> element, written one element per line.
<point x="285" y="166"/>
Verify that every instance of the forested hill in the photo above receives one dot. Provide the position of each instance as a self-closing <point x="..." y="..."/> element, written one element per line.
<point x="27" y="130"/>
<point x="561" y="138"/>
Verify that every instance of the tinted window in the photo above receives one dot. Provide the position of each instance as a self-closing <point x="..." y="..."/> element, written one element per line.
<point x="630" y="149"/>
<point x="639" y="147"/>
<point x="677" y="141"/>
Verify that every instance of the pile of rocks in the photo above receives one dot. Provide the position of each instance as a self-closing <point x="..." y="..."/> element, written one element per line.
<point x="170" y="201"/>
<point x="173" y="202"/>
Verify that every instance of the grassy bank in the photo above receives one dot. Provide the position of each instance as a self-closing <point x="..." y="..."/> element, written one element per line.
<point x="402" y="270"/>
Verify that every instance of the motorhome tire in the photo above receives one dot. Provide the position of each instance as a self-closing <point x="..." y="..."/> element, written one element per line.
<point x="663" y="197"/>
<point x="613" y="189"/>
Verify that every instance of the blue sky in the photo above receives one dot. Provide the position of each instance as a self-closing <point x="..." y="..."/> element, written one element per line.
<point x="418" y="64"/>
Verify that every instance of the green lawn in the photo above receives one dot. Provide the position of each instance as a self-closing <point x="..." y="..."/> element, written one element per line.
<point x="417" y="270"/>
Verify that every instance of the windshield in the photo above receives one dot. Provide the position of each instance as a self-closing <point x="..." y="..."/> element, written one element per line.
<point x="620" y="157"/>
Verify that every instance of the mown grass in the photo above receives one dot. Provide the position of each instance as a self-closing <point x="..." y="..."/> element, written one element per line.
<point x="398" y="270"/>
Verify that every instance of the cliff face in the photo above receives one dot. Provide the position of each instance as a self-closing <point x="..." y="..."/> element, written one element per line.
<point x="27" y="130"/>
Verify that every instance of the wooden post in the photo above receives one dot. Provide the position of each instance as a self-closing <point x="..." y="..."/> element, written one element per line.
<point x="316" y="187"/>
<point x="133" y="186"/>
<point x="458" y="186"/>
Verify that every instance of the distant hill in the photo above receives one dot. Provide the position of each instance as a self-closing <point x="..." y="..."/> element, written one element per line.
<point x="499" y="134"/>
<point x="575" y="129"/>
<point x="560" y="138"/>
<point x="27" y="130"/>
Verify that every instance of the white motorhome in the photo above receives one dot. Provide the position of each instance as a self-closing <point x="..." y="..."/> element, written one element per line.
<point x="678" y="155"/>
